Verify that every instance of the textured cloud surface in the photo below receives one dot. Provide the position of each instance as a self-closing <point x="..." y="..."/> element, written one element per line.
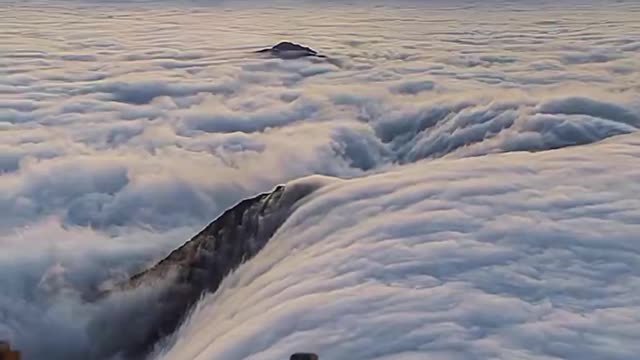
<point x="505" y="256"/>
<point x="126" y="126"/>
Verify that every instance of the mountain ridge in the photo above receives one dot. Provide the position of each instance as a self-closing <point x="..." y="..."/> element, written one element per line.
<point x="176" y="283"/>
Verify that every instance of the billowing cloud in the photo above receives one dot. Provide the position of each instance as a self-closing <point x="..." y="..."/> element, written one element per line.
<point x="125" y="128"/>
<point x="506" y="255"/>
<point x="48" y="274"/>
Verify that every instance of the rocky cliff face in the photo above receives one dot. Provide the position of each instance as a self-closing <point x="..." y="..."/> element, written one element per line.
<point x="165" y="292"/>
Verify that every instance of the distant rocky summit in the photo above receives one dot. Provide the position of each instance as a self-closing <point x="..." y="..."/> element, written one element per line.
<point x="289" y="50"/>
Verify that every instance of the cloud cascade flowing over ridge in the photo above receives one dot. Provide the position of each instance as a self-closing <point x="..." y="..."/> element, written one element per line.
<point x="125" y="128"/>
<point x="528" y="256"/>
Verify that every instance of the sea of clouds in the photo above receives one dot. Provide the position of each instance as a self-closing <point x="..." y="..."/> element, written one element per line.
<point x="510" y="256"/>
<point x="126" y="127"/>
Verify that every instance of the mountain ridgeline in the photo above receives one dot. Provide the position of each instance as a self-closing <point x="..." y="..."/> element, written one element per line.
<point x="159" y="299"/>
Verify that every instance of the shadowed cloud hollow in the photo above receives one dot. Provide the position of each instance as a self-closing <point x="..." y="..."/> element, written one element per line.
<point x="491" y="257"/>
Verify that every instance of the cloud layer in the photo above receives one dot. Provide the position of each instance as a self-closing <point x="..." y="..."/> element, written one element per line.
<point x="118" y="102"/>
<point x="125" y="127"/>
<point x="531" y="256"/>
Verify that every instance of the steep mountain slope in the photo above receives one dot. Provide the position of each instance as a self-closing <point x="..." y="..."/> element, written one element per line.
<point x="178" y="281"/>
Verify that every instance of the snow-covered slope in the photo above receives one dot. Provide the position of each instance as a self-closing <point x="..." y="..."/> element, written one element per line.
<point x="507" y="256"/>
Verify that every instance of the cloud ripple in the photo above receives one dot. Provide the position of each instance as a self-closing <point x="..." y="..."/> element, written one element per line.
<point x="125" y="127"/>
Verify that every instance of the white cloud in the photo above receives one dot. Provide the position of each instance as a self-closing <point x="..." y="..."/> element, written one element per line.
<point x="514" y="255"/>
<point x="124" y="128"/>
<point x="48" y="272"/>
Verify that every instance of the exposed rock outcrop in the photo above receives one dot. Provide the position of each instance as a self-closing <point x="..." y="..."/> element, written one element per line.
<point x="304" y="356"/>
<point x="171" y="287"/>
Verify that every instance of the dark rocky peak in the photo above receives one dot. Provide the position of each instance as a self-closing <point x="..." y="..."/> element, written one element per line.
<point x="289" y="46"/>
<point x="289" y="50"/>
